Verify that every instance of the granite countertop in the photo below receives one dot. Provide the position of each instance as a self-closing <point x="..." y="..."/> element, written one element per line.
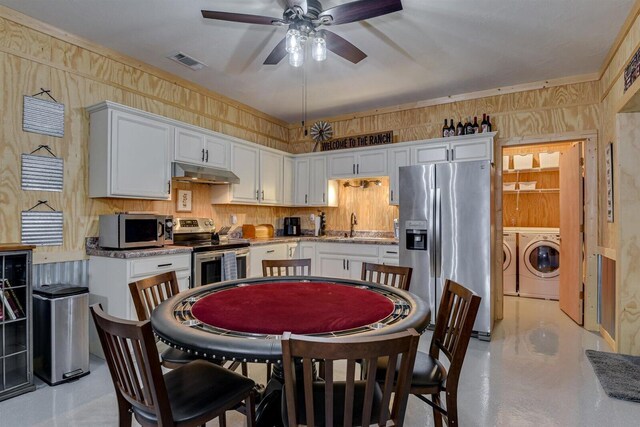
<point x="362" y="240"/>
<point x="93" y="249"/>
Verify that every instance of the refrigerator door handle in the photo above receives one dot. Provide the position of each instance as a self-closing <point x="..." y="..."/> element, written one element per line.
<point x="437" y="238"/>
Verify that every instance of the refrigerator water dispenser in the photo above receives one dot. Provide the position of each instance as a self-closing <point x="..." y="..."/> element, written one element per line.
<point x="416" y="235"/>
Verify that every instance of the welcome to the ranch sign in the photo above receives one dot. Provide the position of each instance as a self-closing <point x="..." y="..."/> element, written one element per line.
<point x="358" y="141"/>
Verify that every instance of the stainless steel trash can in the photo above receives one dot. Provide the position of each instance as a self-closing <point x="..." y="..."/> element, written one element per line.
<point x="60" y="332"/>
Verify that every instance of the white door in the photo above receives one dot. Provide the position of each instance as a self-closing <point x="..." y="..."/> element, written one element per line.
<point x="244" y="163"/>
<point x="217" y="152"/>
<point x="288" y="181"/>
<point x="332" y="266"/>
<point x="372" y="163"/>
<point x="189" y="146"/>
<point x="140" y="157"/>
<point x="271" y="165"/>
<point x="318" y="181"/>
<point x="429" y="153"/>
<point x="397" y="158"/>
<point x="464" y="151"/>
<point x="301" y="187"/>
<point x="342" y="165"/>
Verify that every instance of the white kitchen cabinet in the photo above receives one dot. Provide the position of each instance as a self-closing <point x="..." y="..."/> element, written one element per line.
<point x="288" y="181"/>
<point x="129" y="154"/>
<point x="259" y="253"/>
<point x="459" y="149"/>
<point x="344" y="260"/>
<point x="465" y="151"/>
<point x="363" y="163"/>
<point x="261" y="177"/>
<point x="308" y="250"/>
<point x="201" y="148"/>
<point x="397" y="158"/>
<point x="109" y="280"/>
<point x="292" y="251"/>
<point x="430" y="153"/>
<point x="312" y="187"/>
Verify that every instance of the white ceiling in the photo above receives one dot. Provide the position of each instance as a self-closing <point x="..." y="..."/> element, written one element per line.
<point x="432" y="48"/>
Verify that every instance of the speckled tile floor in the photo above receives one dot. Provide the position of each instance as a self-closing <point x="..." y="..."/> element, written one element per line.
<point x="533" y="373"/>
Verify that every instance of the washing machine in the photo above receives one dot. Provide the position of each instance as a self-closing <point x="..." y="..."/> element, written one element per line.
<point x="509" y="264"/>
<point x="539" y="265"/>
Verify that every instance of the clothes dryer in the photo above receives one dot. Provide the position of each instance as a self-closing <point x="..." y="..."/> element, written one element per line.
<point x="509" y="264"/>
<point x="539" y="265"/>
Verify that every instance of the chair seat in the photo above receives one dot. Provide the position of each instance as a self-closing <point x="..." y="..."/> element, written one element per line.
<point x="338" y="404"/>
<point x="199" y="388"/>
<point x="427" y="371"/>
<point x="177" y="357"/>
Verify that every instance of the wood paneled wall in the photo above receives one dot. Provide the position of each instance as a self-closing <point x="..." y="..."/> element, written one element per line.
<point x="532" y="209"/>
<point x="34" y="56"/>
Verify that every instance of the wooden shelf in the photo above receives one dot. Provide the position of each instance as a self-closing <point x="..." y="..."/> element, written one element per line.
<point x="537" y="190"/>
<point x="533" y="170"/>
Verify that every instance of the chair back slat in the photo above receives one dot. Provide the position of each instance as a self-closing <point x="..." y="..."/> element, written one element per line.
<point x="390" y="275"/>
<point x="286" y="267"/>
<point x="133" y="362"/>
<point x="364" y="394"/>
<point x="149" y="293"/>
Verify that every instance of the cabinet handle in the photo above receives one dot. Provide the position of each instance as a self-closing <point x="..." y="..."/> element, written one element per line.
<point x="271" y="251"/>
<point x="257" y="194"/>
<point x="452" y="155"/>
<point x="354" y="168"/>
<point x="392" y="252"/>
<point x="358" y="169"/>
<point x="347" y="264"/>
<point x="305" y="199"/>
<point x="169" y="187"/>
<point x="262" y="194"/>
<point x="323" y="195"/>
<point x="207" y="160"/>
<point x="344" y="264"/>
<point x="392" y="195"/>
<point x="203" y="154"/>
<point x="447" y="154"/>
<point x="169" y="264"/>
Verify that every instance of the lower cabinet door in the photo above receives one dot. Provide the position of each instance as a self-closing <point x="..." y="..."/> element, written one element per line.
<point x="332" y="266"/>
<point x="354" y="266"/>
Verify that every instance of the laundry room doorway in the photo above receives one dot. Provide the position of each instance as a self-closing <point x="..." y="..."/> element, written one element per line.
<point x="549" y="212"/>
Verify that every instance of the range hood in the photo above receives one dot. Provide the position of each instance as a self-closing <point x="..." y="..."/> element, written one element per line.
<point x="185" y="172"/>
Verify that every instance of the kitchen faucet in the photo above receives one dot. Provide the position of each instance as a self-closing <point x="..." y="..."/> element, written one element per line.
<point x="354" y="221"/>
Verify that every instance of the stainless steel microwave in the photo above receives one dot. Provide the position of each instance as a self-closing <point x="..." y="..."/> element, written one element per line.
<point x="123" y="231"/>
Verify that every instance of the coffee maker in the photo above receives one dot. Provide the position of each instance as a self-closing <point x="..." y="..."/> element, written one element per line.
<point x="292" y="226"/>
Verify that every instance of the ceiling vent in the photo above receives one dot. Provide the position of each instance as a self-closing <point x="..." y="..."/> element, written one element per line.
<point x="186" y="60"/>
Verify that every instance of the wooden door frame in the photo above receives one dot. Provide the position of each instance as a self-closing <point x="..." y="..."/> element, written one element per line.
<point x="590" y="151"/>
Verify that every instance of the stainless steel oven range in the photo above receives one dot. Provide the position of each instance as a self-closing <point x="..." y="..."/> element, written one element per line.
<point x="208" y="249"/>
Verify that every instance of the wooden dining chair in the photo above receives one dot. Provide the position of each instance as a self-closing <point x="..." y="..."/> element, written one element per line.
<point x="286" y="267"/>
<point x="456" y="316"/>
<point x="390" y="275"/>
<point x="351" y="402"/>
<point x="147" y="294"/>
<point x="190" y="395"/>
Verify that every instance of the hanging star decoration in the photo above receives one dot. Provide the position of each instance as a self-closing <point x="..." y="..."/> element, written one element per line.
<point x="321" y="131"/>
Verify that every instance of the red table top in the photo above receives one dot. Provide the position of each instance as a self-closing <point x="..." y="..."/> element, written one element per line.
<point x="297" y="307"/>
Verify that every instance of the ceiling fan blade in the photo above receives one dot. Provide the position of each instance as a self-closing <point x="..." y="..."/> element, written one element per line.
<point x="241" y="17"/>
<point x="359" y="10"/>
<point x="340" y="46"/>
<point x="302" y="4"/>
<point x="277" y="54"/>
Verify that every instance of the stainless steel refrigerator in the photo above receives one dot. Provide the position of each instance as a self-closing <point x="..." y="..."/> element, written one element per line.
<point x="447" y="231"/>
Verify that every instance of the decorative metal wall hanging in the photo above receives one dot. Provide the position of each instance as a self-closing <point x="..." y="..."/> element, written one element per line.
<point x="43" y="116"/>
<point x="320" y="132"/>
<point x="42" y="172"/>
<point x="42" y="228"/>
<point x="358" y="141"/>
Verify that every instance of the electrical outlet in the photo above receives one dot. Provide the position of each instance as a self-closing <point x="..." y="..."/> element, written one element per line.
<point x="312" y="217"/>
<point x="234" y="219"/>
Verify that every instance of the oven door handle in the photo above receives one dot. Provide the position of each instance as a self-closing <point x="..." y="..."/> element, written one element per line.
<point x="207" y="258"/>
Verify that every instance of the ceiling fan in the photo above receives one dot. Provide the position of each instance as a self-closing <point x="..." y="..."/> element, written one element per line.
<point x="304" y="17"/>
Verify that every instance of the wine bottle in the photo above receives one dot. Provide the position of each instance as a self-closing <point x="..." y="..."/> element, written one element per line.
<point x="445" y="129"/>
<point x="484" y="123"/>
<point x="476" y="128"/>
<point x="489" y="125"/>
<point x="468" y="127"/>
<point x="459" y="128"/>
<point x="452" y="129"/>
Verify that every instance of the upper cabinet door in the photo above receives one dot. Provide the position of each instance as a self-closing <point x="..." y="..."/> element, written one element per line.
<point x="245" y="164"/>
<point x="397" y="158"/>
<point x="302" y="179"/>
<point x="140" y="157"/>
<point x="318" y="184"/>
<point x="465" y="151"/>
<point x="189" y="146"/>
<point x="372" y="163"/>
<point x="429" y="153"/>
<point x="217" y="152"/>
<point x="342" y="165"/>
<point x="288" y="181"/>
<point x="271" y="165"/>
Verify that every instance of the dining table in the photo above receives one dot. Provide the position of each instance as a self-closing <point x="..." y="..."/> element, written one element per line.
<point x="243" y="320"/>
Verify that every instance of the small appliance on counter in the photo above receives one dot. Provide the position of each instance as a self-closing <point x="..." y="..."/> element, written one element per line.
<point x="126" y="230"/>
<point x="292" y="226"/>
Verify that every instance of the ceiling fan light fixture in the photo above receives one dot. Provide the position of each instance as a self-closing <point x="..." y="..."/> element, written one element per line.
<point x="293" y="40"/>
<point x="296" y="59"/>
<point x="319" y="48"/>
